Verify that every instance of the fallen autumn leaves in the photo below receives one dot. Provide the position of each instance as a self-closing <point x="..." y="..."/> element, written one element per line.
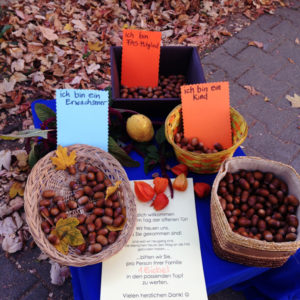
<point x="65" y="44"/>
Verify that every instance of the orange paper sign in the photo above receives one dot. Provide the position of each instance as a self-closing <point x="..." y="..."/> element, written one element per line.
<point x="140" y="58"/>
<point x="206" y="113"/>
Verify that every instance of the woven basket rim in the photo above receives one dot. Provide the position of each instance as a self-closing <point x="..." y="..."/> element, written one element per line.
<point x="34" y="219"/>
<point x="199" y="155"/>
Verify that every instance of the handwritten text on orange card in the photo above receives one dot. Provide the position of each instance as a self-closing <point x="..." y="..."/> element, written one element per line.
<point x="206" y="113"/>
<point x="140" y="58"/>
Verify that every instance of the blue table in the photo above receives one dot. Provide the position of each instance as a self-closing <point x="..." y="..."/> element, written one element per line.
<point x="219" y="274"/>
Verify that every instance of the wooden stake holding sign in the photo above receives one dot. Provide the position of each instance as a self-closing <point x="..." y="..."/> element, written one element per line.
<point x="140" y="58"/>
<point x="206" y="113"/>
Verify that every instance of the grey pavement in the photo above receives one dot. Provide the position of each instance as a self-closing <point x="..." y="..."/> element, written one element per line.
<point x="274" y="72"/>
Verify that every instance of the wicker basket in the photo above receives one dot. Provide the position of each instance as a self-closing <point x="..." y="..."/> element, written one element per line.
<point x="44" y="176"/>
<point x="205" y="163"/>
<point x="236" y="248"/>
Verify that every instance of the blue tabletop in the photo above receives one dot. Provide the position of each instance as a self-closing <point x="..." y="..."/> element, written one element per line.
<point x="219" y="274"/>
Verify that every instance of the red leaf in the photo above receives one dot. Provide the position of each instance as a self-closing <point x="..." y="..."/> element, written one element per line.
<point x="128" y="2"/>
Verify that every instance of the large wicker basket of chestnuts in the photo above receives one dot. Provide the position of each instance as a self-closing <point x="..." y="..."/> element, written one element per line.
<point x="79" y="205"/>
<point x="193" y="152"/>
<point x="255" y="211"/>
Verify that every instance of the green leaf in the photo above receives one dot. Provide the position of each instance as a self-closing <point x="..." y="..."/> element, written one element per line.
<point x="4" y="29"/>
<point x="44" y="112"/>
<point x="160" y="135"/>
<point x="86" y="55"/>
<point x="151" y="149"/>
<point x="116" y="151"/>
<point x="142" y="147"/>
<point x="33" y="156"/>
<point x="149" y="163"/>
<point x="26" y="134"/>
<point x="153" y="155"/>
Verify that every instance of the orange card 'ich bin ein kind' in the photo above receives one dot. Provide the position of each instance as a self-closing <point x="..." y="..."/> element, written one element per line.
<point x="140" y="58"/>
<point x="206" y="113"/>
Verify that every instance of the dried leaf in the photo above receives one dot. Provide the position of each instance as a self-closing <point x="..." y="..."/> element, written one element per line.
<point x="248" y="14"/>
<point x="76" y="80"/>
<point x="37" y="77"/>
<point x="63" y="160"/>
<point x="68" y="234"/>
<point x="256" y="44"/>
<point x="79" y="25"/>
<point x="42" y="256"/>
<point x="167" y="33"/>
<point x="16" y="53"/>
<point x="8" y="226"/>
<point x="92" y="68"/>
<point x="119" y="228"/>
<point x="291" y="61"/>
<point x="22" y="158"/>
<point x="12" y="243"/>
<point x="182" y="38"/>
<point x="16" y="189"/>
<point x="5" y="159"/>
<point x="97" y="46"/>
<point x="48" y="33"/>
<point x="112" y="189"/>
<point x="13" y="205"/>
<point x="18" y="65"/>
<point x="17" y="219"/>
<point x="68" y="27"/>
<point x="226" y="33"/>
<point x="16" y="97"/>
<point x="7" y="86"/>
<point x="251" y="90"/>
<point x="58" y="273"/>
<point x="18" y="77"/>
<point x="295" y="100"/>
<point x="26" y="134"/>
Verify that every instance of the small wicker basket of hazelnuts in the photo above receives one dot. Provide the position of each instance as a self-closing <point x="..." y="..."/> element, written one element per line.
<point x="193" y="152"/>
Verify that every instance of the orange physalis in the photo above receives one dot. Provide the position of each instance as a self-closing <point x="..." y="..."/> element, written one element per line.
<point x="180" y="183"/>
<point x="181" y="168"/>
<point x="160" y="184"/>
<point x="143" y="191"/>
<point x="202" y="189"/>
<point x="160" y="201"/>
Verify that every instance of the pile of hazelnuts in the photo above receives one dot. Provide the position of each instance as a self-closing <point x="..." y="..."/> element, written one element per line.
<point x="258" y="205"/>
<point x="168" y="87"/>
<point x="194" y="145"/>
<point x="87" y="203"/>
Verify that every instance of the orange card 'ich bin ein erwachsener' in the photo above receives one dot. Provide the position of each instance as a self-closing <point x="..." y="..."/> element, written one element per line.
<point x="140" y="58"/>
<point x="206" y="113"/>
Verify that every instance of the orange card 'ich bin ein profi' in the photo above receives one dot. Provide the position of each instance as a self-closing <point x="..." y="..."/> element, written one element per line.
<point x="206" y="113"/>
<point x="140" y="58"/>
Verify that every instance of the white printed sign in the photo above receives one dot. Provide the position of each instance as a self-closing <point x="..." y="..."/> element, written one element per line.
<point x="162" y="259"/>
